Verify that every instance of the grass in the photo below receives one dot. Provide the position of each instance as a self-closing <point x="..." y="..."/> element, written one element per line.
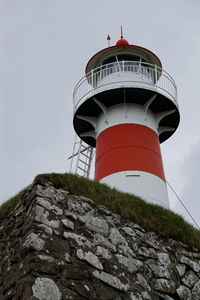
<point x="9" y="205"/>
<point x="151" y="217"/>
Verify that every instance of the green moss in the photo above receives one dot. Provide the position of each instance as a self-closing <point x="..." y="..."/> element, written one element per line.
<point x="151" y="217"/>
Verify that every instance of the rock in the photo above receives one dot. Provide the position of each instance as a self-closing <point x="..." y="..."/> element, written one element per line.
<point x="135" y="297"/>
<point x="152" y="243"/>
<point x="46" y="204"/>
<point x="90" y="258"/>
<point x="158" y="269"/>
<point x="111" y="280"/>
<point x="184" y="293"/>
<point x="196" y="291"/>
<point x="164" y="285"/>
<point x="42" y="216"/>
<point x="164" y="259"/>
<point x="45" y="192"/>
<point x="47" y="257"/>
<point x="126" y="250"/>
<point x="68" y="224"/>
<point x="46" y="228"/>
<point x="143" y="296"/>
<point x="129" y="231"/>
<point x="143" y="283"/>
<point x="136" y="226"/>
<point x="78" y="205"/>
<point x="85" y="199"/>
<point x="71" y="215"/>
<point x="164" y="297"/>
<point x="96" y="224"/>
<point x="67" y="257"/>
<point x="46" y="289"/>
<point x="131" y="264"/>
<point x="181" y="269"/>
<point x="116" y="238"/>
<point x="190" y="279"/>
<point x="101" y="240"/>
<point x="147" y="252"/>
<point x="80" y="240"/>
<point x="33" y="241"/>
<point x="103" y="210"/>
<point x="105" y="253"/>
<point x="195" y="266"/>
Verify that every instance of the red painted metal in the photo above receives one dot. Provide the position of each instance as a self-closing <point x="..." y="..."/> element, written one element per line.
<point x="128" y="147"/>
<point x="122" y="42"/>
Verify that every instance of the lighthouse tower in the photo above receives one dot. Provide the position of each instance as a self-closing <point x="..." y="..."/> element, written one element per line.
<point x="125" y="106"/>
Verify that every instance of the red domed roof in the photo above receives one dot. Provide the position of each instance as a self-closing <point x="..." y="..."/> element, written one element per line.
<point x="122" y="42"/>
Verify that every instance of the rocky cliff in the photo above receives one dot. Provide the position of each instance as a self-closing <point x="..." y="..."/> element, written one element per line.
<point x="55" y="246"/>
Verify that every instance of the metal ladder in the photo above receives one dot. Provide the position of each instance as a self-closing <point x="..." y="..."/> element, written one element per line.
<point x="81" y="158"/>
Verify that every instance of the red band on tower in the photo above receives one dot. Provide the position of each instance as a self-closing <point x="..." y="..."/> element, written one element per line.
<point x="128" y="147"/>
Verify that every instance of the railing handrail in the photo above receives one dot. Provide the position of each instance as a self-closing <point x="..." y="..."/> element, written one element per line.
<point x="154" y="69"/>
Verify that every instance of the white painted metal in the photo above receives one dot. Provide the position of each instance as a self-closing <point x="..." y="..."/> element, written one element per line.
<point x="81" y="158"/>
<point x="126" y="113"/>
<point x="124" y="74"/>
<point x="145" y="185"/>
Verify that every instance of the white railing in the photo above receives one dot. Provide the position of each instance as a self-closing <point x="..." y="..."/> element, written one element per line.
<point x="126" y="74"/>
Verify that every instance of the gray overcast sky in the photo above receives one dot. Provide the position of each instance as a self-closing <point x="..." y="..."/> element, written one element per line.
<point x="45" y="46"/>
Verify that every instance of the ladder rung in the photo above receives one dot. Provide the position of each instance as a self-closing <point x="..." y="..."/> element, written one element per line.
<point x="83" y="162"/>
<point x="83" y="170"/>
<point x="85" y="147"/>
<point x="85" y="155"/>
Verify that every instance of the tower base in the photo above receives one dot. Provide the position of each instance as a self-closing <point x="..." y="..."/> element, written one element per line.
<point x="147" y="186"/>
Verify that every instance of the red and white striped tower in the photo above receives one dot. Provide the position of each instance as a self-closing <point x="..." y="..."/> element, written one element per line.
<point x="125" y="106"/>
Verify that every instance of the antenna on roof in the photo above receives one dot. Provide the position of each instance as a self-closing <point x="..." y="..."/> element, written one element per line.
<point x="122" y="32"/>
<point x="108" y="39"/>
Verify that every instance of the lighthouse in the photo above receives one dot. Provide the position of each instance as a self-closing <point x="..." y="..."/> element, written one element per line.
<point x="125" y="106"/>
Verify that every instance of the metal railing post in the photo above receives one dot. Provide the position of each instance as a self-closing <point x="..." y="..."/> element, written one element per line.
<point x="92" y="79"/>
<point x="156" y="77"/>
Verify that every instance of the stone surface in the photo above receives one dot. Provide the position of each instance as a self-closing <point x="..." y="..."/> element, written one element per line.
<point x="111" y="280"/>
<point x="105" y="253"/>
<point x="68" y="224"/>
<point x="33" y="241"/>
<point x="184" y="293"/>
<point x="96" y="224"/>
<point x="46" y="289"/>
<point x="189" y="279"/>
<point x="131" y="264"/>
<point x="101" y="240"/>
<point x="55" y="245"/>
<point x="42" y="215"/>
<point x="164" y="285"/>
<point x="116" y="238"/>
<point x="158" y="269"/>
<point x="80" y="240"/>
<point x="90" y="258"/>
<point x="181" y="269"/>
<point x="196" y="291"/>
<point x="194" y="265"/>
